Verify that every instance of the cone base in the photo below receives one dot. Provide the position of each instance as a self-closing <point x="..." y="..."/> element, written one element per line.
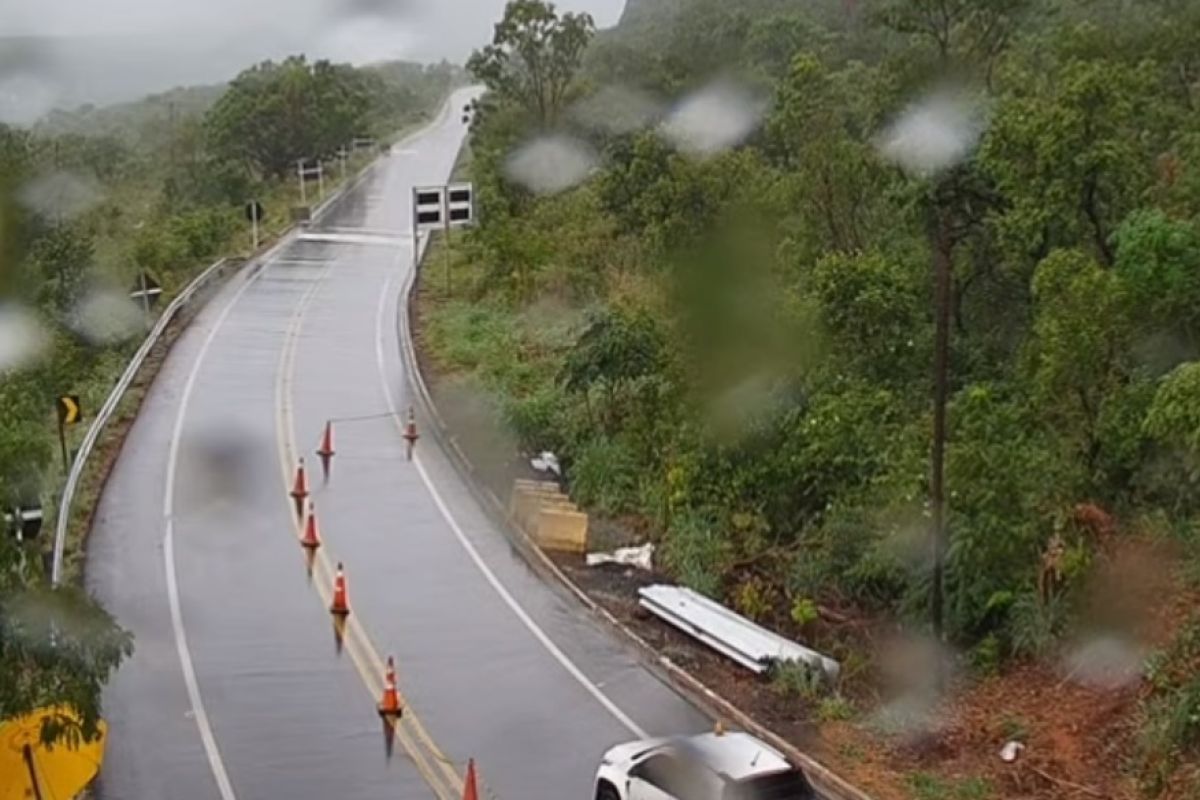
<point x="389" y="713"/>
<point x="339" y="612"/>
<point x="310" y="545"/>
<point x="326" y="453"/>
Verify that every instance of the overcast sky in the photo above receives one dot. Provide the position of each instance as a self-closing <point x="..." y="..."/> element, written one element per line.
<point x="138" y="46"/>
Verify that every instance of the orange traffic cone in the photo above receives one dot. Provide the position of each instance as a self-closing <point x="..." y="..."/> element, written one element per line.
<point x="300" y="488"/>
<point x="325" y="451"/>
<point x="340" y="607"/>
<point x="410" y="432"/>
<point x="390" y="707"/>
<point x="470" y="789"/>
<point x="312" y="538"/>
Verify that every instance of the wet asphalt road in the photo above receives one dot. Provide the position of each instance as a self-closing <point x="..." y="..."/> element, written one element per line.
<point x="237" y="688"/>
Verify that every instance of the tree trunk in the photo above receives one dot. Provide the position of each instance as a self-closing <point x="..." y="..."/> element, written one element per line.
<point x="942" y="247"/>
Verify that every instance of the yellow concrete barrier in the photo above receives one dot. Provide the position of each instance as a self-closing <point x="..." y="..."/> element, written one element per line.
<point x="548" y="516"/>
<point x="562" y="530"/>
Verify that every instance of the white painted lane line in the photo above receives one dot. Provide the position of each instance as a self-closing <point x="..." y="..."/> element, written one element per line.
<point x="488" y="575"/>
<point x="181" y="645"/>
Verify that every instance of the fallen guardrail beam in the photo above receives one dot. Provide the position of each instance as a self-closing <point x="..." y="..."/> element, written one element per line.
<point x="729" y="633"/>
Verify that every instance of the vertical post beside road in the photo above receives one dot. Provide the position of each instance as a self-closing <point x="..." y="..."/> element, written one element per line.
<point x="446" y="248"/>
<point x="416" y="234"/>
<point x="62" y="441"/>
<point x="145" y="295"/>
<point x="303" y="192"/>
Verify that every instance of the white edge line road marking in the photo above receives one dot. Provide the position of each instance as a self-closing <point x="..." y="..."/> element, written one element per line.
<point x="185" y="654"/>
<point x="509" y="600"/>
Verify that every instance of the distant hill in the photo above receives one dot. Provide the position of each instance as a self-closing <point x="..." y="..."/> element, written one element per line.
<point x="638" y="12"/>
<point x="127" y="121"/>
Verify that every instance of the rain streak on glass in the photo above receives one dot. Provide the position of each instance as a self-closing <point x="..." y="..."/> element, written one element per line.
<point x="551" y="164"/>
<point x="22" y="337"/>
<point x="107" y="317"/>
<point x="358" y="30"/>
<point x="60" y="196"/>
<point x="25" y="97"/>
<point x="934" y="133"/>
<point x="716" y="118"/>
<point x="617" y="110"/>
<point x="1105" y="662"/>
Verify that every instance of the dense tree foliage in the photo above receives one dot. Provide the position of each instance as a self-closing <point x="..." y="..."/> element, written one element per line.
<point x="274" y="115"/>
<point x="751" y="332"/>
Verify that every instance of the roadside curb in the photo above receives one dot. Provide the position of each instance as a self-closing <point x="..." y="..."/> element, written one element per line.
<point x="827" y="783"/>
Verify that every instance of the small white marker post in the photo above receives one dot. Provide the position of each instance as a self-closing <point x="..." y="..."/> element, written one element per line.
<point x="254" y="224"/>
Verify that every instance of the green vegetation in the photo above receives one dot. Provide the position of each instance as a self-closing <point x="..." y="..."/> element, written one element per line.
<point x="87" y="199"/>
<point x="1170" y="731"/>
<point x="737" y="348"/>
<point x="929" y="787"/>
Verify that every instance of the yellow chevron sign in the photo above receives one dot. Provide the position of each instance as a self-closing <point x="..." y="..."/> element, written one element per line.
<point x="68" y="409"/>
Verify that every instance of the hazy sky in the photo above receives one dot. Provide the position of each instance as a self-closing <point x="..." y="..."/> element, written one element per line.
<point x="439" y="27"/>
<point x="139" y="46"/>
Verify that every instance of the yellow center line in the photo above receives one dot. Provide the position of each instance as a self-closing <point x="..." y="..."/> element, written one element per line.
<point x="367" y="660"/>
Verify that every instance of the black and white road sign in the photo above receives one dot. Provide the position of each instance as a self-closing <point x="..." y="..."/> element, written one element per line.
<point x="255" y="211"/>
<point x="450" y="206"/>
<point x="429" y="207"/>
<point x="146" y="291"/>
<point x="309" y="167"/>
<point x="24" y="521"/>
<point x="460" y="204"/>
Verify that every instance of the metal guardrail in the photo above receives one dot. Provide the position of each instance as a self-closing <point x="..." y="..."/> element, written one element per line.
<point x="729" y="633"/>
<point x="106" y="411"/>
<point x="201" y="281"/>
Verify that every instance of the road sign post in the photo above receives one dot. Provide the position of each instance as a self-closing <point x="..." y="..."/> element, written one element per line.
<point x="146" y="291"/>
<point x="68" y="414"/>
<point x="444" y="207"/>
<point x="446" y="251"/>
<point x="254" y="213"/>
<point x="429" y="208"/>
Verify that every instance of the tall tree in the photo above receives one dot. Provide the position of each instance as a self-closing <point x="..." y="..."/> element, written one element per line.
<point x="534" y="55"/>
<point x="1072" y="155"/>
<point x="1080" y="336"/>
<point x="273" y="115"/>
<point x="976" y="31"/>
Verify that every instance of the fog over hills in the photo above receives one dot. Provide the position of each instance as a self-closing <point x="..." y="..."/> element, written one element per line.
<point x="64" y="53"/>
